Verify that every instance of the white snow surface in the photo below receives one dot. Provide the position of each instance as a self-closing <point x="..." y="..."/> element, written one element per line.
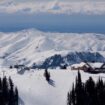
<point x="79" y="65"/>
<point x="35" y="90"/>
<point x="93" y="65"/>
<point x="96" y="65"/>
<point x="31" y="45"/>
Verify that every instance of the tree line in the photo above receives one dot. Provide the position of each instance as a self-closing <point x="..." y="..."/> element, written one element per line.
<point x="8" y="93"/>
<point x="88" y="93"/>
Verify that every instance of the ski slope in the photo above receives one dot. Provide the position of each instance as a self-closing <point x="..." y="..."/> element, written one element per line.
<point x="35" y="90"/>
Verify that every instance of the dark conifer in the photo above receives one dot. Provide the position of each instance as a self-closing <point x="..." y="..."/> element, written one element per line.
<point x="100" y="92"/>
<point x="11" y="92"/>
<point x="47" y="75"/>
<point x="5" y="91"/>
<point x="88" y="93"/>
<point x="68" y="99"/>
<point x="16" y="96"/>
<point x="8" y="96"/>
<point x="79" y="90"/>
<point x="72" y="96"/>
<point x="1" y="100"/>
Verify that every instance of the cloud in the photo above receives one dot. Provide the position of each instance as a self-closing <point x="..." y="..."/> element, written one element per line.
<point x="55" y="7"/>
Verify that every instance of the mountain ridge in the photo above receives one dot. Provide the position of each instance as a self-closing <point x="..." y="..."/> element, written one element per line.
<point x="29" y="46"/>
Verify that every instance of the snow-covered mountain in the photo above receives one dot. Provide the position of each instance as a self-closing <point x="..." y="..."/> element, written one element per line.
<point x="33" y="46"/>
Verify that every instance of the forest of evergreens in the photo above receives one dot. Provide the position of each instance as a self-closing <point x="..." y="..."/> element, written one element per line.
<point x="8" y="92"/>
<point x="88" y="93"/>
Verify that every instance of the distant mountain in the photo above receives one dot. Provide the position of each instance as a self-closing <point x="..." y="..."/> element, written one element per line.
<point x="58" y="61"/>
<point x="50" y="49"/>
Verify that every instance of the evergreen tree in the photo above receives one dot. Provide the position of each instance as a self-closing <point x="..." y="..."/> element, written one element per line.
<point x="16" y="96"/>
<point x="47" y="75"/>
<point x="72" y="96"/>
<point x="5" y="91"/>
<point x="90" y="89"/>
<point x="68" y="99"/>
<point x="79" y="90"/>
<point x="8" y="96"/>
<point x="11" y="92"/>
<point x="88" y="93"/>
<point x="1" y="100"/>
<point x="0" y="84"/>
<point x="100" y="92"/>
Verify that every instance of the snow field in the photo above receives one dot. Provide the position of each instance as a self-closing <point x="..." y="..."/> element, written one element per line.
<point x="35" y="90"/>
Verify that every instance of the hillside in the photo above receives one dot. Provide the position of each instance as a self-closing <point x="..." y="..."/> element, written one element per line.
<point x="33" y="46"/>
<point x="35" y="90"/>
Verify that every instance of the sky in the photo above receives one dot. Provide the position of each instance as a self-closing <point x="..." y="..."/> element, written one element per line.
<point x="53" y="15"/>
<point x="53" y="6"/>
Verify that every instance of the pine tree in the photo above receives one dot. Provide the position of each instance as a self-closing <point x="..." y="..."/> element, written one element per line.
<point x="8" y="96"/>
<point x="0" y="84"/>
<point x="72" y="96"/>
<point x="47" y="75"/>
<point x="100" y="92"/>
<point x="16" y="96"/>
<point x="5" y="91"/>
<point x="79" y="90"/>
<point x="68" y="99"/>
<point x="1" y="100"/>
<point x="11" y="92"/>
<point x="88" y="93"/>
<point x="91" y="90"/>
<point x="77" y="95"/>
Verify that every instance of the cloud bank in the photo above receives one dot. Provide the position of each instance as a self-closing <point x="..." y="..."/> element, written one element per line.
<point x="55" y="7"/>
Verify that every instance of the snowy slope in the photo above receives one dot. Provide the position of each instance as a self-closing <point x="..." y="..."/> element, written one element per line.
<point x="30" y="46"/>
<point x="34" y="90"/>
